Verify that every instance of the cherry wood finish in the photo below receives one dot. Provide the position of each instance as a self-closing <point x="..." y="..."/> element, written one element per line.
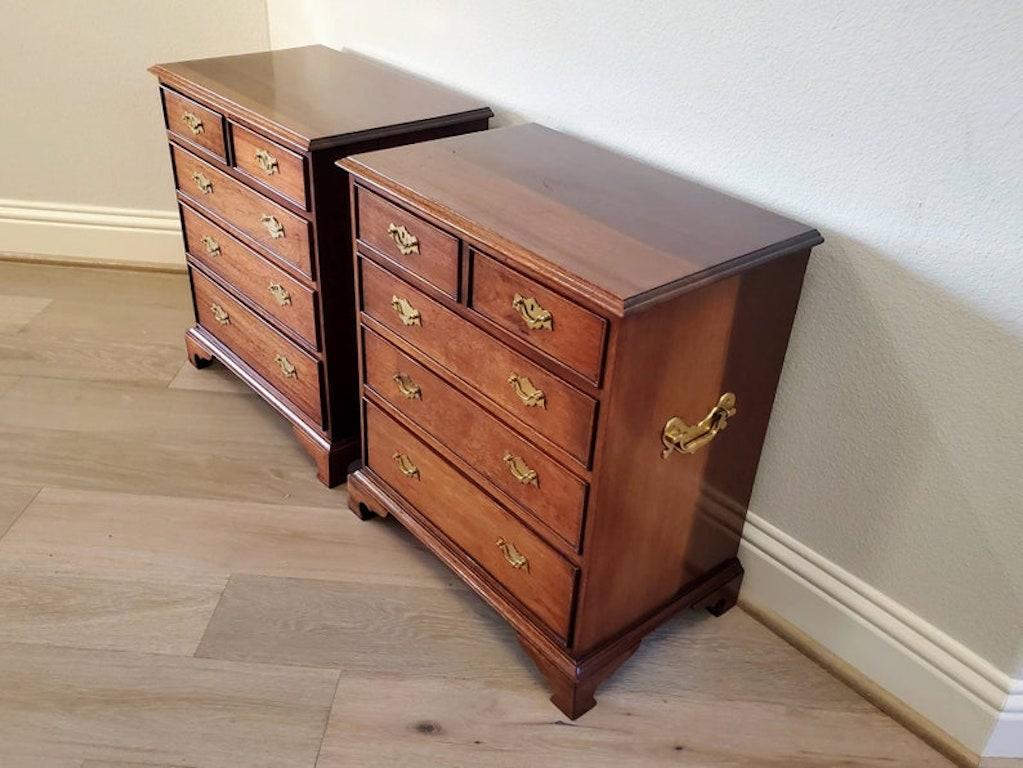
<point x="299" y="110"/>
<point x="291" y="302"/>
<point x="663" y="295"/>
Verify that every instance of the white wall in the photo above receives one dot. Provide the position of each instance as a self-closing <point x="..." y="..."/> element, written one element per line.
<point x="894" y="453"/>
<point x="85" y="169"/>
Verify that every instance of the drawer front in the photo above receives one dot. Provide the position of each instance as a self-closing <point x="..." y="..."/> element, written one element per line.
<point x="522" y="388"/>
<point x="518" y="559"/>
<point x="283" y="297"/>
<point x="270" y="225"/>
<point x="421" y="248"/>
<point x="196" y="124"/>
<point x="289" y="369"/>
<point x="549" y="322"/>
<point x="521" y="470"/>
<point x="270" y="164"/>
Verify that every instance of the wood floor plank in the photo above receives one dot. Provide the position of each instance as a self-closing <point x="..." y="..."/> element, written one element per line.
<point x="17" y="311"/>
<point x="215" y="378"/>
<point x="117" y="706"/>
<point x="433" y="721"/>
<point x="13" y="501"/>
<point x="95" y="286"/>
<point x="129" y="536"/>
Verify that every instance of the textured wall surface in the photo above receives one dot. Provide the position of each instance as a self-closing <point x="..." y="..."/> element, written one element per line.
<point x="896" y="129"/>
<point x="81" y="117"/>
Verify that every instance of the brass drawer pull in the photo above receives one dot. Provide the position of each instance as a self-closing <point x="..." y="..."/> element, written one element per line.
<point x="193" y="122"/>
<point x="536" y="317"/>
<point x="220" y="315"/>
<point x="212" y="246"/>
<point x="288" y="370"/>
<point x="521" y="471"/>
<point x="267" y="162"/>
<point x="515" y="558"/>
<point x="274" y="227"/>
<point x="205" y="185"/>
<point x="530" y="396"/>
<point x="689" y="438"/>
<point x="409" y="315"/>
<point x="405" y="465"/>
<point x="407" y="387"/>
<point x="407" y="242"/>
<point x="280" y="294"/>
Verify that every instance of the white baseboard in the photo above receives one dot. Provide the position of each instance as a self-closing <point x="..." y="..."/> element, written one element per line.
<point x="92" y="234"/>
<point x="934" y="674"/>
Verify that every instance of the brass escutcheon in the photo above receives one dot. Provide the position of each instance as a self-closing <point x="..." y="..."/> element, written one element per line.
<point x="405" y="465"/>
<point x="689" y="438"/>
<point x="212" y="246"/>
<point x="274" y="227"/>
<point x="267" y="162"/>
<point x="407" y="242"/>
<point x="205" y="185"/>
<point x="288" y="370"/>
<point x="280" y="294"/>
<point x="409" y="315"/>
<point x="407" y="387"/>
<point x="536" y="317"/>
<point x="530" y="396"/>
<point x="515" y="558"/>
<point x="520" y="470"/>
<point x="193" y="122"/>
<point x="220" y="315"/>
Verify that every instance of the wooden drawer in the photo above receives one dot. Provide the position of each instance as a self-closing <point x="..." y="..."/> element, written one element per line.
<point x="553" y="494"/>
<point x="280" y="295"/>
<point x="269" y="164"/>
<point x="546" y="320"/>
<point x="543" y="582"/>
<point x="276" y="229"/>
<point x="557" y="410"/>
<point x="191" y="121"/>
<point x="410" y="242"/>
<point x="286" y="367"/>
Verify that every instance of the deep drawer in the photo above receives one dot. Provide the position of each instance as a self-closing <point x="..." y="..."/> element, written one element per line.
<point x="286" y="367"/>
<point x="196" y="124"/>
<point x="283" y="297"/>
<point x="276" y="229"/>
<point x="518" y="559"/>
<point x="269" y="164"/>
<point x="421" y="248"/>
<point x="544" y="319"/>
<point x="522" y="388"/>
<point x="552" y="493"/>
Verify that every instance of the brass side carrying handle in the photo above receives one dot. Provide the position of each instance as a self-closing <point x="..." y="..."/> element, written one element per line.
<point x="530" y="396"/>
<point x="515" y="558"/>
<point x="407" y="242"/>
<point x="689" y="438"/>
<point x="212" y="246"/>
<point x="280" y="294"/>
<point x="409" y="315"/>
<point x="220" y="315"/>
<point x="288" y="370"/>
<point x="405" y="465"/>
<point x="536" y="317"/>
<point x="267" y="162"/>
<point x="204" y="184"/>
<point x="407" y="387"/>
<point x="193" y="122"/>
<point x="520" y="470"/>
<point x="274" y="227"/>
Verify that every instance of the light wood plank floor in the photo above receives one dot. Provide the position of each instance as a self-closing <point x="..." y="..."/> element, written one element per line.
<point x="177" y="589"/>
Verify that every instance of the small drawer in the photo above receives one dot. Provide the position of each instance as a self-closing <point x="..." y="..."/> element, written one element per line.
<point x="270" y="164"/>
<point x="196" y="124"/>
<point x="280" y="295"/>
<point x="522" y="388"/>
<point x="293" y="372"/>
<point x="541" y="485"/>
<point x="270" y="225"/>
<point x="547" y="321"/>
<point x="407" y="240"/>
<point x="532" y="571"/>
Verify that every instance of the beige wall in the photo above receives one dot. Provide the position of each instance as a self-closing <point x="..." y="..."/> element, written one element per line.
<point x="895" y="447"/>
<point x="81" y="123"/>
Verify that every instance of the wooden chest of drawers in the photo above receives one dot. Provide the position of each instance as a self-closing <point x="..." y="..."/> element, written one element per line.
<point x="553" y="340"/>
<point x="253" y="141"/>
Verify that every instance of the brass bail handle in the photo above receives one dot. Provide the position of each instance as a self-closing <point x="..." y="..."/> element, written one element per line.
<point x="689" y="438"/>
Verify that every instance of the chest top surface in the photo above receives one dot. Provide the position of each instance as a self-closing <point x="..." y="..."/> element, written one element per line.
<point x="314" y="94"/>
<point x="619" y="230"/>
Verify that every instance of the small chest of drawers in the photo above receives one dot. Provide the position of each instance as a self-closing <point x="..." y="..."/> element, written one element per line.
<point x="253" y="144"/>
<point x="553" y="342"/>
